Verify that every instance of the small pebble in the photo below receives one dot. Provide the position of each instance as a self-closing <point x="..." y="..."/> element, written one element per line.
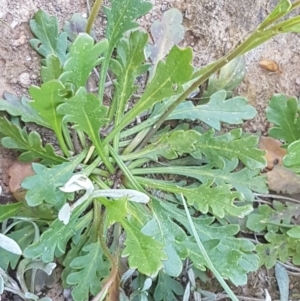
<point x="24" y="79"/>
<point x="14" y="23"/>
<point x="67" y="293"/>
<point x="20" y="41"/>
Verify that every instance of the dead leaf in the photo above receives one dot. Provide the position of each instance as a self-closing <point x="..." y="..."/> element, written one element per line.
<point x="274" y="151"/>
<point x="270" y="66"/>
<point x="283" y="181"/>
<point x="17" y="172"/>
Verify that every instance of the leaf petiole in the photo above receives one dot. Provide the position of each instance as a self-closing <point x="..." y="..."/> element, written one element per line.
<point x="67" y="137"/>
<point x="125" y="170"/>
<point x="62" y="143"/>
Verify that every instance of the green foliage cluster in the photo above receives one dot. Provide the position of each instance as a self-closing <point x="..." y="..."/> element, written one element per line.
<point x="133" y="174"/>
<point x="278" y="223"/>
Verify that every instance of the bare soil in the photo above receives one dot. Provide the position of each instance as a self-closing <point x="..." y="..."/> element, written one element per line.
<point x="214" y="27"/>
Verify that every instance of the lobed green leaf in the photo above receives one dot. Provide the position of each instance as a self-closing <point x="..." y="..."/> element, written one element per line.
<point x="171" y="145"/>
<point x="48" y="41"/>
<point x="167" y="288"/>
<point x="84" y="56"/>
<point x="270" y="219"/>
<point x="279" y="246"/>
<point x="89" y="269"/>
<point x="228" y="78"/>
<point x="232" y="263"/>
<point x="292" y="159"/>
<point x="52" y="69"/>
<point x="232" y="256"/>
<point x="232" y="145"/>
<point x="283" y="113"/>
<point x="85" y="111"/>
<point x="167" y="232"/>
<point x="244" y="180"/>
<point x="44" y="186"/>
<point x="166" y="33"/>
<point x="54" y="240"/>
<point x="218" y="199"/>
<point x="74" y="252"/>
<point x="169" y="77"/>
<point x="121" y="18"/>
<point x="144" y="252"/>
<point x="232" y="111"/>
<point x="31" y="144"/>
<point x="46" y="100"/>
<point x="131" y="58"/>
<point x="205" y="226"/>
<point x="24" y="236"/>
<point x="9" y="210"/>
<point x="21" y="108"/>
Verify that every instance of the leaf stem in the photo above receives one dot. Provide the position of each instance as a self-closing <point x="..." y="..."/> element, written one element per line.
<point x="103" y="72"/>
<point x="91" y="167"/>
<point x="276" y="196"/>
<point x="138" y="162"/>
<point x="81" y="138"/>
<point x="205" y="255"/>
<point x="62" y="143"/>
<point x="159" y="169"/>
<point x="139" y="127"/>
<point x="100" y="183"/>
<point x="295" y="5"/>
<point x="125" y="170"/>
<point x="96" y="219"/>
<point x="93" y="15"/>
<point x="67" y="137"/>
<point x="101" y="172"/>
<point x="135" y="142"/>
<point x="159" y="184"/>
<point x="104" y="157"/>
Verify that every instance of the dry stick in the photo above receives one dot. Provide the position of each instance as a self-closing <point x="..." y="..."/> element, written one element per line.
<point x="5" y="23"/>
<point x="290" y="267"/>
<point x="275" y="196"/>
<point x="88" y="6"/>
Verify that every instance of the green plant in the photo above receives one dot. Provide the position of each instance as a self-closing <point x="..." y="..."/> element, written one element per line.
<point x="276" y="222"/>
<point x="133" y="173"/>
